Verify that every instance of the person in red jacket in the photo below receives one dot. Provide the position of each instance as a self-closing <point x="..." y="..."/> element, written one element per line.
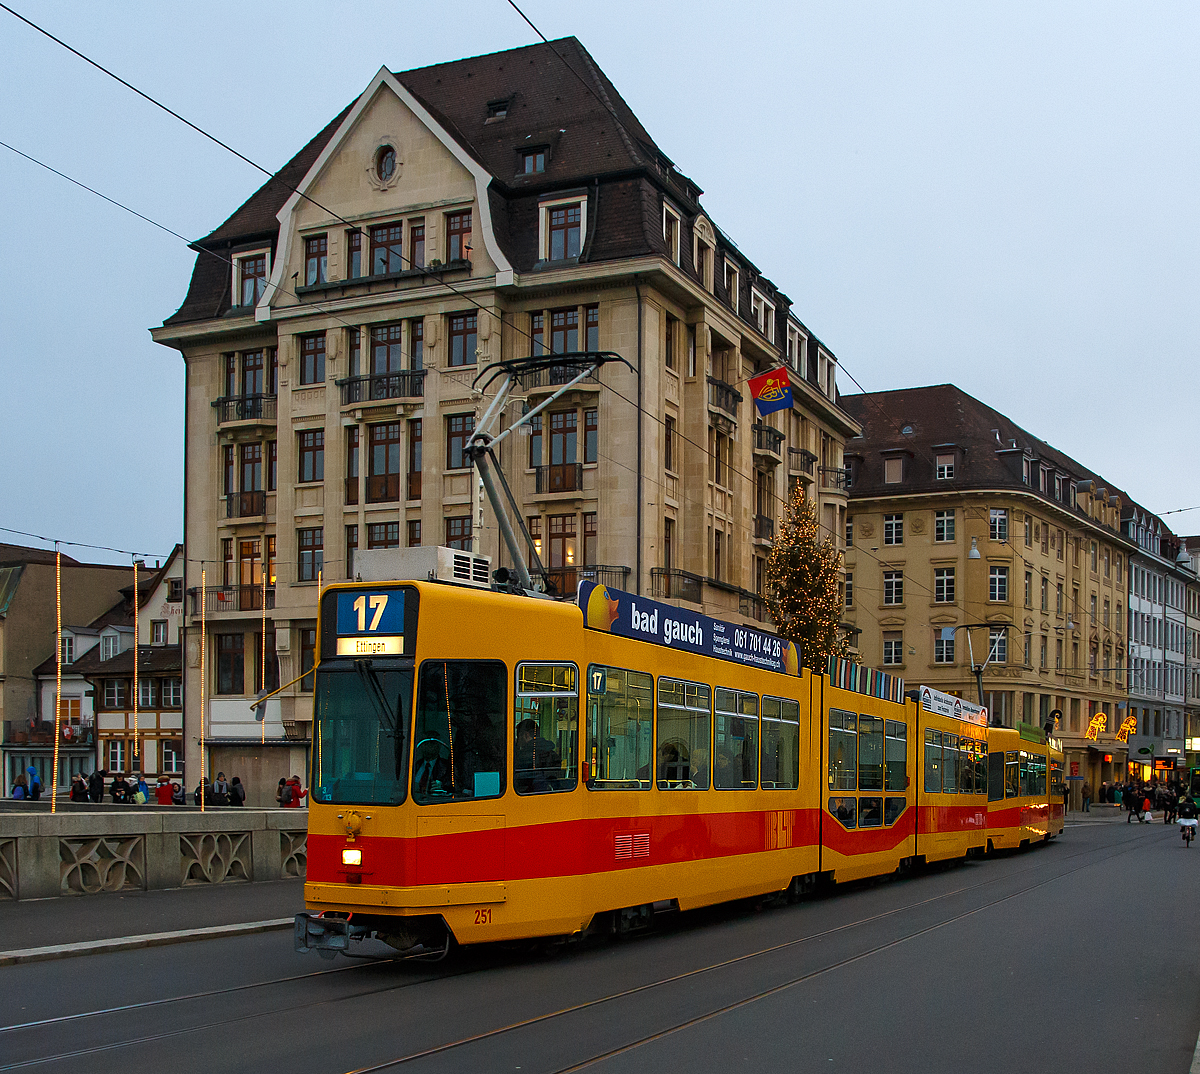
<point x="292" y="793"/>
<point x="163" y="791"/>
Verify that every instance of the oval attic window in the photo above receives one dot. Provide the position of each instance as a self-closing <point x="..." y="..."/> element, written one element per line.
<point x="385" y="162"/>
<point x="907" y="430"/>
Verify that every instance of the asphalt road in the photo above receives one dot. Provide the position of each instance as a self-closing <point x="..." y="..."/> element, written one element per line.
<point x="1070" y="957"/>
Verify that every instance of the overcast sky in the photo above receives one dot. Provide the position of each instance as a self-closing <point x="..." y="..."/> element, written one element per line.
<point x="1000" y="196"/>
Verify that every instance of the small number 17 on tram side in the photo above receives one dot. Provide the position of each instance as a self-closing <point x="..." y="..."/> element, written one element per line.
<point x="493" y="767"/>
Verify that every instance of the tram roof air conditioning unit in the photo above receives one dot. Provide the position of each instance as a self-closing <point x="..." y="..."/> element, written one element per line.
<point x="430" y="563"/>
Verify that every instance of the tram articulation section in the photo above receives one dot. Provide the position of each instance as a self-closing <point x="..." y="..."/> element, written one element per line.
<point x="493" y="767"/>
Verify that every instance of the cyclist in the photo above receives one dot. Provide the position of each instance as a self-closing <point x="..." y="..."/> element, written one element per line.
<point x="1187" y="817"/>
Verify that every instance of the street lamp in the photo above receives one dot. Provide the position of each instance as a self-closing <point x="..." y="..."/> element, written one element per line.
<point x="951" y="631"/>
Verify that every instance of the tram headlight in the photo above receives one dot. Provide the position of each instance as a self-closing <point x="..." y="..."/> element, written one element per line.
<point x="352" y="856"/>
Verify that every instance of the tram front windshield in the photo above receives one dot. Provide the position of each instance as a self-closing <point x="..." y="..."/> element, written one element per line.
<point x="360" y="733"/>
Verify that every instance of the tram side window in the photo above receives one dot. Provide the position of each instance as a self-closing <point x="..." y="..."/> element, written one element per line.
<point x="966" y="765"/>
<point x="780" y="744"/>
<point x="1026" y="776"/>
<point x="892" y="809"/>
<point x="620" y="727"/>
<point x="995" y="776"/>
<point x="736" y="740"/>
<point x="459" y="752"/>
<point x="982" y="782"/>
<point x="845" y="810"/>
<point x="870" y="812"/>
<point x="843" y="751"/>
<point x="1037" y="780"/>
<point x="546" y="728"/>
<point x="933" y="761"/>
<point x="683" y="735"/>
<point x="870" y="759"/>
<point x="1012" y="781"/>
<point x="896" y="757"/>
<point x="949" y="763"/>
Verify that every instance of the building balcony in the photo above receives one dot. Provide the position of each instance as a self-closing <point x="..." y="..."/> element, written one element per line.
<point x="764" y="528"/>
<point x="801" y="461"/>
<point x="559" y="477"/>
<point x="768" y="443"/>
<point x="673" y="584"/>
<point x="723" y="397"/>
<point x="752" y="606"/>
<point x="245" y="504"/>
<point x="615" y="577"/>
<point x="231" y="598"/>
<point x="834" y="477"/>
<point x="383" y="488"/>
<point x="556" y="376"/>
<point x="405" y="384"/>
<point x="245" y="408"/>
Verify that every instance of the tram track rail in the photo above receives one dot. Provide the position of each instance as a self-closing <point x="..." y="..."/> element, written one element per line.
<point x="208" y="1026"/>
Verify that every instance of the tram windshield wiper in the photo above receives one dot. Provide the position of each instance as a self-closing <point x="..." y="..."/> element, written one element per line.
<point x="376" y="692"/>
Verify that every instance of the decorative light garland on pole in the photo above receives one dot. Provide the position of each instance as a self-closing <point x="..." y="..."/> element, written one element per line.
<point x="57" y="676"/>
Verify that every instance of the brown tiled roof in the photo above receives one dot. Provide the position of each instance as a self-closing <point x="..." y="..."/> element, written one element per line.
<point x="152" y="659"/>
<point x="564" y="101"/>
<point x="11" y="554"/>
<point x="991" y="445"/>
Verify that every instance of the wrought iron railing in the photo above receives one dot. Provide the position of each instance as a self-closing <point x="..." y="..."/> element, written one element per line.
<point x="723" y="396"/>
<point x="232" y="598"/>
<point x="245" y="504"/>
<point x="604" y="574"/>
<point x="754" y="607"/>
<point x="560" y="477"/>
<point x="673" y="584"/>
<point x="764" y="528"/>
<point x="556" y="375"/>
<point x="245" y="408"/>
<point x="383" y="488"/>
<point x="404" y="384"/>
<point x="834" y="477"/>
<point x="801" y="461"/>
<point x="767" y="439"/>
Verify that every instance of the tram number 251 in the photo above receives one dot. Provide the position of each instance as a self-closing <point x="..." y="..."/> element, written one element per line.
<point x="484" y="916"/>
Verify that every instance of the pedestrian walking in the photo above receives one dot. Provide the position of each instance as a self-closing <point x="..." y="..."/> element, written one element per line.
<point x="20" y="788"/>
<point x="1129" y="796"/>
<point x="237" y="792"/>
<point x="35" y="785"/>
<point x="96" y="785"/>
<point x="292" y="793"/>
<point x="1087" y="797"/>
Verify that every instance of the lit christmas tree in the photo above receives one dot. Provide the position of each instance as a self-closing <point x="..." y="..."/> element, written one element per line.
<point x="803" y="585"/>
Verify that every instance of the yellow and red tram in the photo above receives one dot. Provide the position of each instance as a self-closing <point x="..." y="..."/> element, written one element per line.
<point x="494" y="767"/>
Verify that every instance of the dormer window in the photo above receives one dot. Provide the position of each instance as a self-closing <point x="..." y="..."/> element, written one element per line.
<point x="533" y="161"/>
<point x="563" y="228"/>
<point x="174" y="590"/>
<point x="795" y="348"/>
<point x="763" y="313"/>
<point x="671" y="229"/>
<point x="945" y="467"/>
<point x="497" y="109"/>
<point x="252" y="279"/>
<point x="68" y="649"/>
<point x="110" y="645"/>
<point x="731" y="285"/>
<point x="893" y="471"/>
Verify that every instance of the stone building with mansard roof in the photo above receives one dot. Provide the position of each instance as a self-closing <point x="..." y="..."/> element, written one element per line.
<point x="449" y="217"/>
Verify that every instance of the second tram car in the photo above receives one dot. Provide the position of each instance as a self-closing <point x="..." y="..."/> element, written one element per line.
<point x="491" y="767"/>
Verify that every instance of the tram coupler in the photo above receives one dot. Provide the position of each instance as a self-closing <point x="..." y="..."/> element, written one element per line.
<point x="326" y="935"/>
